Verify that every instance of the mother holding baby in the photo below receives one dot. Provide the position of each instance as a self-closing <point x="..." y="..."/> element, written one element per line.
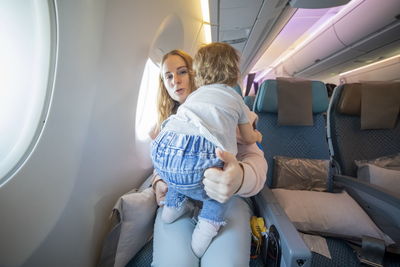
<point x="242" y="176"/>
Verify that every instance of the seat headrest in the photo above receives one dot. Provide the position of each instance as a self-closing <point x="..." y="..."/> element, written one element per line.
<point x="350" y="99"/>
<point x="267" y="97"/>
<point x="378" y="103"/>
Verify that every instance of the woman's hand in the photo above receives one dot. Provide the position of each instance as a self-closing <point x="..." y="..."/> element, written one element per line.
<point x="160" y="189"/>
<point x="222" y="184"/>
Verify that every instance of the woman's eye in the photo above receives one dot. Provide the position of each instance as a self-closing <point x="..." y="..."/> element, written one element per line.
<point x="168" y="76"/>
<point x="182" y="72"/>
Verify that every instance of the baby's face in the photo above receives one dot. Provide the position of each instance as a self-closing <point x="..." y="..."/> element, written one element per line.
<point x="176" y="78"/>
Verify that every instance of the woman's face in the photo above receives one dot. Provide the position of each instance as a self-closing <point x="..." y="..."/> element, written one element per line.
<point x="176" y="78"/>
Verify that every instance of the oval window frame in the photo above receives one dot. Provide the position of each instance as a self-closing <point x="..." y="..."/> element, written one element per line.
<point x="9" y="169"/>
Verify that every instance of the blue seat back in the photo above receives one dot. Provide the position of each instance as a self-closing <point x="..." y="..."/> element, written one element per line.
<point x="238" y="89"/>
<point x="348" y="142"/>
<point x="291" y="141"/>
<point x="249" y="101"/>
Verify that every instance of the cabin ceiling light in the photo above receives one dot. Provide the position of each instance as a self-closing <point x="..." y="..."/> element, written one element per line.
<point x="369" y="65"/>
<point x="205" y="10"/>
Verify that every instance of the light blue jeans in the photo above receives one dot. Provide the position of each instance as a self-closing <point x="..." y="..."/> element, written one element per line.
<point x="181" y="160"/>
<point x="230" y="248"/>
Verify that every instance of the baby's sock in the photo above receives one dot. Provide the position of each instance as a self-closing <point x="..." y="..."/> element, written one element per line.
<point x="202" y="236"/>
<point x="170" y="214"/>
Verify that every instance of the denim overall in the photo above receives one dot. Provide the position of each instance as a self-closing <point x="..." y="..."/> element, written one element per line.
<point x="181" y="160"/>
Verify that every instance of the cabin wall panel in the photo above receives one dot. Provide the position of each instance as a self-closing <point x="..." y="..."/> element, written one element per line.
<point x="56" y="208"/>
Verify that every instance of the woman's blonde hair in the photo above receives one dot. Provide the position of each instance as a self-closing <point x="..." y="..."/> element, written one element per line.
<point x="166" y="106"/>
<point x="216" y="63"/>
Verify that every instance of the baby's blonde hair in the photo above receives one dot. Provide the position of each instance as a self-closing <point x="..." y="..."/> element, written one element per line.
<point x="216" y="63"/>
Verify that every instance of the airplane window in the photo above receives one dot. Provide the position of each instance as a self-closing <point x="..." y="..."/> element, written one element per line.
<point x="146" y="113"/>
<point x="26" y="52"/>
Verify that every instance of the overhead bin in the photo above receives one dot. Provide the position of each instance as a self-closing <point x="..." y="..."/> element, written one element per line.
<point x="233" y="30"/>
<point x="317" y="3"/>
<point x="360" y="21"/>
<point x="326" y="43"/>
<point x="366" y="51"/>
<point x="352" y="58"/>
<point x="355" y="33"/>
<point x="271" y="18"/>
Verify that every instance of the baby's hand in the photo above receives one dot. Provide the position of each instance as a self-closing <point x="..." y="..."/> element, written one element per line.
<point x="160" y="189"/>
<point x="259" y="136"/>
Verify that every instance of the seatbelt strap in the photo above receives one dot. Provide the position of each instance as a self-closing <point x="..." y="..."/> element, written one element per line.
<point x="259" y="232"/>
<point x="372" y="251"/>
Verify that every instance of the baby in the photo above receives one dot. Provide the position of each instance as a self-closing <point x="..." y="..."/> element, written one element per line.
<point x="186" y="145"/>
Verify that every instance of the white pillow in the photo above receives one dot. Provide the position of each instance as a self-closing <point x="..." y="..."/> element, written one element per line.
<point x="383" y="177"/>
<point x="137" y="213"/>
<point x="328" y="214"/>
<point x="388" y="162"/>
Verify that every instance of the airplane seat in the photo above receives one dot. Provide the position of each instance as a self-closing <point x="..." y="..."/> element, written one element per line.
<point x="291" y="141"/>
<point x="352" y="137"/>
<point x="349" y="142"/>
<point x="144" y="257"/>
<point x="249" y="101"/>
<point x="288" y="247"/>
<point x="238" y="89"/>
<point x="302" y="141"/>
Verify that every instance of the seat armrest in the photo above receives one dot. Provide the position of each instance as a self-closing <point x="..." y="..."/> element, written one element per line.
<point x="374" y="190"/>
<point x="147" y="182"/>
<point x="293" y="248"/>
<point x="381" y="205"/>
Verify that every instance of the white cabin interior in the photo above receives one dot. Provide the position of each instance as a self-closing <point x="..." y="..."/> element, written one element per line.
<point x="86" y="148"/>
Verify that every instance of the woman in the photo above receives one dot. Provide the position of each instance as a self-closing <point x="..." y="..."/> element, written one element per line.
<point x="238" y="179"/>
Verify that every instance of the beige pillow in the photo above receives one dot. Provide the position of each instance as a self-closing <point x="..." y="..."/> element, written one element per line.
<point x="389" y="162"/>
<point x="133" y="215"/>
<point x="380" y="105"/>
<point x="301" y="174"/>
<point x="386" y="178"/>
<point x="294" y="102"/>
<point x="328" y="214"/>
<point x="137" y="212"/>
<point x="350" y="99"/>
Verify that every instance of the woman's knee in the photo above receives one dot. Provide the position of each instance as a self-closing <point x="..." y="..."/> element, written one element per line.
<point x="231" y="247"/>
<point x="171" y="244"/>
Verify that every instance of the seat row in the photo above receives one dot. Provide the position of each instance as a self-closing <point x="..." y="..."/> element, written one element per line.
<point x="334" y="170"/>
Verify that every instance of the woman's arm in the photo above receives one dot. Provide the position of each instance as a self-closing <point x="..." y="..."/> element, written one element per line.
<point x="255" y="169"/>
<point x="244" y="175"/>
<point x="254" y="164"/>
<point x="245" y="178"/>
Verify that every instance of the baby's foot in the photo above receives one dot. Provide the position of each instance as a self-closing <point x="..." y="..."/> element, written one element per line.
<point x="170" y="214"/>
<point x="202" y="236"/>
